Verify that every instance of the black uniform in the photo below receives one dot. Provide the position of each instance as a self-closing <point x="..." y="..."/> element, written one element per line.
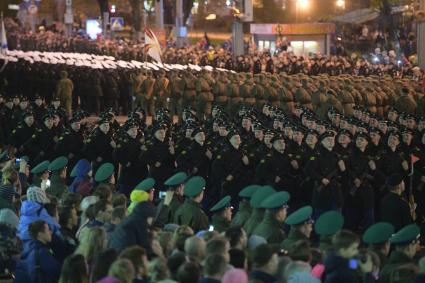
<point x="325" y="165"/>
<point x="133" y="169"/>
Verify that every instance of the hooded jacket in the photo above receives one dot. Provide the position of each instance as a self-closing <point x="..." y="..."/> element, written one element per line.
<point x="81" y="183"/>
<point x="32" y="211"/>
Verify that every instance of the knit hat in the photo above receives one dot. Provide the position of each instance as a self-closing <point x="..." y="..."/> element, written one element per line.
<point x="37" y="194"/>
<point x="136" y="197"/>
<point x="235" y="275"/>
<point x="7" y="216"/>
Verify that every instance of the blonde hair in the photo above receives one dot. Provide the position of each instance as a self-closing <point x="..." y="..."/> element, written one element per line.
<point x="93" y="242"/>
<point x="9" y="177"/>
<point x="123" y="270"/>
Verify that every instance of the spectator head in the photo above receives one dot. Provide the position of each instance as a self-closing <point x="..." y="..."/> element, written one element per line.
<point x="74" y="269"/>
<point x="102" y="263"/>
<point x="166" y="242"/>
<point x="52" y="210"/>
<point x="174" y="261"/>
<point x="238" y="259"/>
<point x="68" y="217"/>
<point x="93" y="241"/>
<point x="189" y="272"/>
<point x="138" y="257"/>
<point x="72" y="200"/>
<point x="218" y="245"/>
<point x="101" y="211"/>
<point x="10" y="177"/>
<point x="346" y="244"/>
<point x="39" y="230"/>
<point x="215" y="266"/>
<point x="396" y="183"/>
<point x="119" y="200"/>
<point x="118" y="214"/>
<point x="103" y="192"/>
<point x="194" y="248"/>
<point x="181" y="234"/>
<point x="264" y="258"/>
<point x="9" y="217"/>
<point x="300" y="251"/>
<point x="237" y="237"/>
<point x="158" y="270"/>
<point x="123" y="270"/>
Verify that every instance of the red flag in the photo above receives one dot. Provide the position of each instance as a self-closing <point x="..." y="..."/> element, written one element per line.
<point x="414" y="158"/>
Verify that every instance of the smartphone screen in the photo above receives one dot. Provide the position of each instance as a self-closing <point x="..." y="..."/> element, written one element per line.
<point x="352" y="264"/>
<point x="162" y="195"/>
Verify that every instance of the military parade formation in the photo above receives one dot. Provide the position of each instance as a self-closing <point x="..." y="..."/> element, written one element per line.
<point x="289" y="156"/>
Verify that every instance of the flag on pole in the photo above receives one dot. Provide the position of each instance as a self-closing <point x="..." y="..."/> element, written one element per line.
<point x="152" y="46"/>
<point x="3" y="47"/>
<point x="413" y="160"/>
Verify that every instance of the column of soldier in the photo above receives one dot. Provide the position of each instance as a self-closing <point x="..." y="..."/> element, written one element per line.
<point x="331" y="149"/>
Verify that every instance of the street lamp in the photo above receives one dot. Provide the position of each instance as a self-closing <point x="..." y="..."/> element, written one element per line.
<point x="300" y="5"/>
<point x="303" y="4"/>
<point x="340" y="4"/>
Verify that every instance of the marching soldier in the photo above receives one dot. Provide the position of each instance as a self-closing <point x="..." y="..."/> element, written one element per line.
<point x="100" y="145"/>
<point x="127" y="153"/>
<point x="71" y="142"/>
<point x="324" y="169"/>
<point x="41" y="143"/>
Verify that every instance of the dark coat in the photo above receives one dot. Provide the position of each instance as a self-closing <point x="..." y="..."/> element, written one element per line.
<point x="396" y="211"/>
<point x="134" y="229"/>
<point x="37" y="254"/>
<point x="337" y="270"/>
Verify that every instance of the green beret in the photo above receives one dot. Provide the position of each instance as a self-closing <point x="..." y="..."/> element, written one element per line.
<point x="58" y="163"/>
<point x="247" y="192"/>
<point x="406" y="235"/>
<point x="378" y="233"/>
<point x="222" y="204"/>
<point x="329" y="223"/>
<point x="104" y="172"/>
<point x="300" y="216"/>
<point x="194" y="186"/>
<point x="260" y="195"/>
<point x="146" y="184"/>
<point x="176" y="179"/>
<point x="41" y="167"/>
<point x="276" y="200"/>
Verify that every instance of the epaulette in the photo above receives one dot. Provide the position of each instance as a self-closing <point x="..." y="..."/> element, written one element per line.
<point x="184" y="152"/>
<point x="218" y="156"/>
